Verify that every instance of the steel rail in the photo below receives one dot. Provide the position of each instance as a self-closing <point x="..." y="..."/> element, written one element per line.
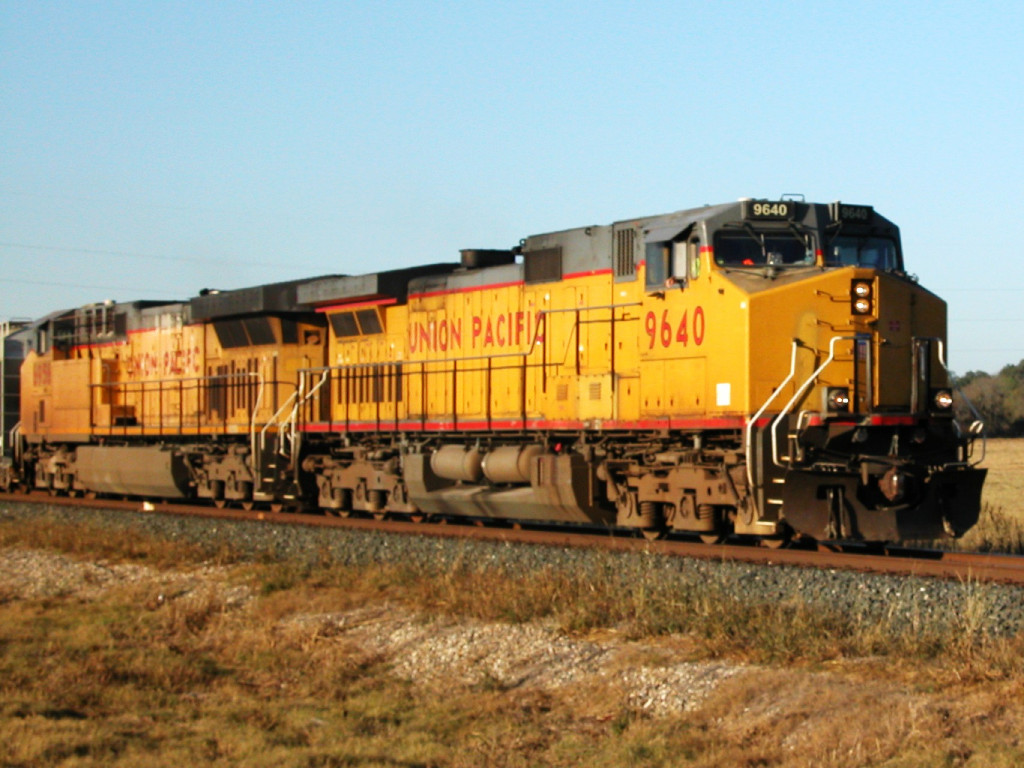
<point x="897" y="560"/>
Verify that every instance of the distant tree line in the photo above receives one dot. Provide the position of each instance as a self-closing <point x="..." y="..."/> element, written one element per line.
<point x="999" y="399"/>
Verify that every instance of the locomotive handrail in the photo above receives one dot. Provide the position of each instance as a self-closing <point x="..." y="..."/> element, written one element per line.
<point x="977" y="427"/>
<point x="532" y="343"/>
<point x="799" y="393"/>
<point x="146" y="386"/>
<point x="275" y="420"/>
<point x="254" y="456"/>
<point x="15" y="437"/>
<point x="174" y="379"/>
<point x="293" y="418"/>
<point x="521" y="356"/>
<point x="749" y="442"/>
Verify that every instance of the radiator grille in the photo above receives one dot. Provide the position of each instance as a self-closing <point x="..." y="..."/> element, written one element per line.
<point x="625" y="247"/>
<point x="544" y="266"/>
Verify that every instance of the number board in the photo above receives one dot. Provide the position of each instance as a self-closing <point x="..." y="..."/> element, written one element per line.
<point x="851" y="213"/>
<point x="769" y="210"/>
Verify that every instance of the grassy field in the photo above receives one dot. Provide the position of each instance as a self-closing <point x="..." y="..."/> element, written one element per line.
<point x="250" y="665"/>
<point x="1004" y="486"/>
<point x="1001" y="526"/>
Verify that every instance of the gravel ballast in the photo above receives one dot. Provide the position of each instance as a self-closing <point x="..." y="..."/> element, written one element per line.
<point x="600" y="672"/>
<point x="922" y="604"/>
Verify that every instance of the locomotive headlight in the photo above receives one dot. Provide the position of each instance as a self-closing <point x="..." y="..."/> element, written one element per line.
<point x="861" y="297"/>
<point x="838" y="399"/>
<point x="943" y="399"/>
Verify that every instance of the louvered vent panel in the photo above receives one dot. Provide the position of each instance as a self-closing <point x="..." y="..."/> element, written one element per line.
<point x="543" y="266"/>
<point x="625" y="246"/>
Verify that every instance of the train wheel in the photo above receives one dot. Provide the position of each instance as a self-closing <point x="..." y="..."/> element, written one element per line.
<point x="377" y="502"/>
<point x="715" y="537"/>
<point x="248" y="505"/>
<point x="341" y="503"/>
<point x="781" y="539"/>
<point x="653" y="534"/>
<point x="652" y="520"/>
<point x="220" y="503"/>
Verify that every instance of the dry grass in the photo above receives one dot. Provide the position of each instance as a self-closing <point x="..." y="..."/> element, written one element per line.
<point x="98" y="544"/>
<point x="996" y="531"/>
<point x="143" y="677"/>
<point x="1000" y="527"/>
<point x="1004" y="485"/>
<point x="140" y="678"/>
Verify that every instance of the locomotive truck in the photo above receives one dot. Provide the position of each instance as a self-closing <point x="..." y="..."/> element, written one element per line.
<point x="761" y="367"/>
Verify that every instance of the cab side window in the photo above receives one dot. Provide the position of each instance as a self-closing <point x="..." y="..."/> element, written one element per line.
<point x="657" y="265"/>
<point x="669" y="264"/>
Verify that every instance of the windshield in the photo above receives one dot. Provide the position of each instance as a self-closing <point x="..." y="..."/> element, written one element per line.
<point x="748" y="248"/>
<point x="850" y="251"/>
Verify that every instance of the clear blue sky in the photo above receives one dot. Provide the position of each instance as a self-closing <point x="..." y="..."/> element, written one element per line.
<point x="148" y="150"/>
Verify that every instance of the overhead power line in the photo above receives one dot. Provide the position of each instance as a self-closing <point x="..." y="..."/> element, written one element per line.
<point x="132" y="255"/>
<point x="54" y="284"/>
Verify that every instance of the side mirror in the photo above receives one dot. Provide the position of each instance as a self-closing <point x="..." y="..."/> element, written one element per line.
<point x="678" y="271"/>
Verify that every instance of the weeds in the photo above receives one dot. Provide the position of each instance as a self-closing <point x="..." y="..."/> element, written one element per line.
<point x="96" y="543"/>
<point x="146" y="675"/>
<point x="996" y="531"/>
<point x="133" y="680"/>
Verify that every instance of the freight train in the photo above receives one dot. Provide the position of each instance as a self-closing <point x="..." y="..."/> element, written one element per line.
<point x="761" y="367"/>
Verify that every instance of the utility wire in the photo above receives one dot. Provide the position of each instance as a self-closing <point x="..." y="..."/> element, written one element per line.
<point x="51" y="283"/>
<point x="131" y="255"/>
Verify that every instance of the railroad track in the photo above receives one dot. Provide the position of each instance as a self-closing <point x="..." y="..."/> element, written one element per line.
<point x="896" y="560"/>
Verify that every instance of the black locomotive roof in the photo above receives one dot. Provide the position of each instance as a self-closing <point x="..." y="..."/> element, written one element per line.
<point x="392" y="284"/>
<point x="259" y="299"/>
<point x="667" y="227"/>
<point x="575" y="250"/>
<point x="309" y="293"/>
<point x="670" y="225"/>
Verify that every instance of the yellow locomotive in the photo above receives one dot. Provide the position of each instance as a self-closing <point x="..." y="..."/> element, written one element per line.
<point x="759" y="367"/>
